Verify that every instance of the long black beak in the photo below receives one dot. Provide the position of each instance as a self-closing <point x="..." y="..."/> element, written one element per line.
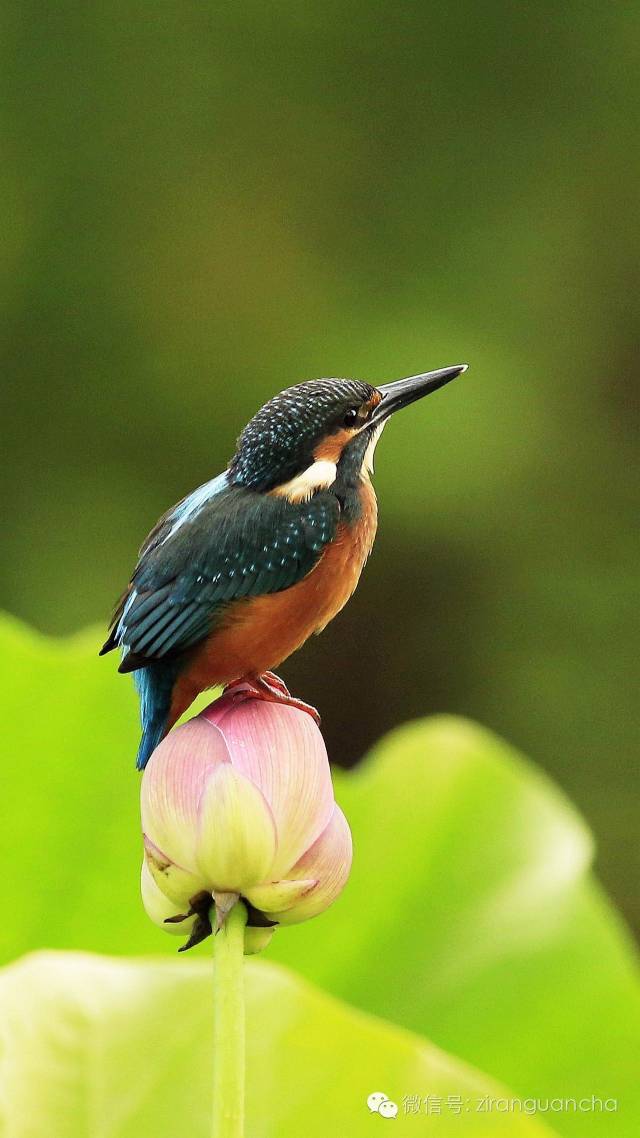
<point x="406" y="391"/>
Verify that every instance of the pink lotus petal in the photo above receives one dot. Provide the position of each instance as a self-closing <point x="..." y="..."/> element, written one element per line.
<point x="158" y="907"/>
<point x="280" y="749"/>
<point x="329" y="861"/>
<point x="173" y="783"/>
<point x="239" y="801"/>
<point x="236" y="837"/>
<point x="218" y="710"/>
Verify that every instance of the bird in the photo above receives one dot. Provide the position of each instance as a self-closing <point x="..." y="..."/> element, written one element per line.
<point x="234" y="578"/>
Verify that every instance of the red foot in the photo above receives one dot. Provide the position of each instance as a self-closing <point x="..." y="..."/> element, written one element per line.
<point x="272" y="689"/>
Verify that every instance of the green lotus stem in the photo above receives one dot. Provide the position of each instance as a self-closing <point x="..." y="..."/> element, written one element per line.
<point x="229" y="1026"/>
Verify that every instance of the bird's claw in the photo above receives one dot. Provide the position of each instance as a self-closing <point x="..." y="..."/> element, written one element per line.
<point x="271" y="689"/>
<point x="276" y="682"/>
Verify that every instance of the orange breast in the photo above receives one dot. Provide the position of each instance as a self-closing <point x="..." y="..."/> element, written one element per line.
<point x="260" y="632"/>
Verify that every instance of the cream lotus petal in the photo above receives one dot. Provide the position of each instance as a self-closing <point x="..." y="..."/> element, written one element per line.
<point x="278" y="895"/>
<point x="173" y="783"/>
<point x="255" y="939"/>
<point x="329" y="861"/>
<point x="280" y="749"/>
<point x="159" y="907"/>
<point x="177" y="884"/>
<point x="236" y="833"/>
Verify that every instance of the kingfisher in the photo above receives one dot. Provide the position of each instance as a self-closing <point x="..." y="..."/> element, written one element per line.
<point x="236" y="577"/>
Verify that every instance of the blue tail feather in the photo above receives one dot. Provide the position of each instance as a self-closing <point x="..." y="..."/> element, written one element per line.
<point x="151" y="736"/>
<point x="155" y="688"/>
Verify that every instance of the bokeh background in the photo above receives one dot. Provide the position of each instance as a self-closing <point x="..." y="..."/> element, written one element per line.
<point x="202" y="204"/>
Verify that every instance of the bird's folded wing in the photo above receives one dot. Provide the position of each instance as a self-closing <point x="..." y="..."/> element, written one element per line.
<point x="237" y="544"/>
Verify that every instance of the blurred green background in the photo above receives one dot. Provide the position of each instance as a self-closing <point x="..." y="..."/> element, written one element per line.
<point x="204" y="204"/>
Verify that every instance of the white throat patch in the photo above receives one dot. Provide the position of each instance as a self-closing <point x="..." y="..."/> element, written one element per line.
<point x="367" y="462"/>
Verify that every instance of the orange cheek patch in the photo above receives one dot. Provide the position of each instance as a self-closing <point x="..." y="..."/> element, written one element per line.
<point x="330" y="449"/>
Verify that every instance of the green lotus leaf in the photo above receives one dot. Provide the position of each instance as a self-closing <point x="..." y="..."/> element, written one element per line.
<point x="472" y="916"/>
<point x="96" y="1045"/>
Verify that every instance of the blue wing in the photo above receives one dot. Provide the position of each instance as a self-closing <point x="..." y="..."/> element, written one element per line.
<point x="221" y="544"/>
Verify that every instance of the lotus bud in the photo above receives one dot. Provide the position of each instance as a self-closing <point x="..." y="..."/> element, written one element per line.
<point x="238" y="804"/>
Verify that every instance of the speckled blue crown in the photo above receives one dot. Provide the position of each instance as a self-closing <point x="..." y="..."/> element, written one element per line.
<point x="278" y="442"/>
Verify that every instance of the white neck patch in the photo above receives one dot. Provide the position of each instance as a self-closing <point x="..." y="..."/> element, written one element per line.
<point x="319" y="476"/>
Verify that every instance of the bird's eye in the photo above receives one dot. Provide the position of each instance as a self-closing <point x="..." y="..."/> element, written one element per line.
<point x="351" y="417"/>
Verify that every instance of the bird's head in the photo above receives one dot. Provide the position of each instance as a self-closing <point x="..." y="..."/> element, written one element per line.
<point x="302" y="439"/>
